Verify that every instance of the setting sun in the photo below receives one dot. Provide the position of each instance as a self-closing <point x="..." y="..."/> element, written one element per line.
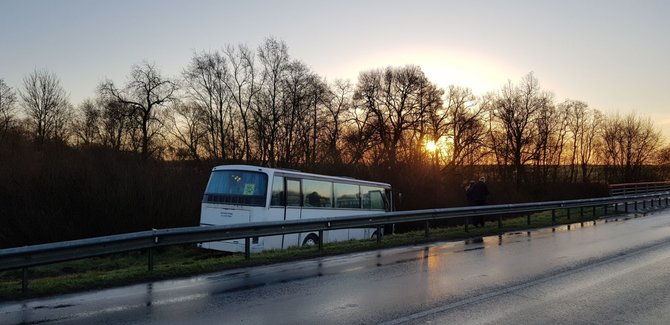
<point x="438" y="149"/>
<point x="431" y="146"/>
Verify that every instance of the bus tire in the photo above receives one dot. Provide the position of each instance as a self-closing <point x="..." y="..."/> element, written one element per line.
<point x="311" y="240"/>
<point x="376" y="234"/>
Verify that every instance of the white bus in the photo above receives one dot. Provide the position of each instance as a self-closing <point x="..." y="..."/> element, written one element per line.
<point x="238" y="194"/>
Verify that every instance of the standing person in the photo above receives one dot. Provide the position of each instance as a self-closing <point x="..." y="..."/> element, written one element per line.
<point x="468" y="186"/>
<point x="478" y="192"/>
<point x="468" y="191"/>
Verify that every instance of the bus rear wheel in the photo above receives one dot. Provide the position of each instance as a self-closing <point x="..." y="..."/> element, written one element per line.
<point x="311" y="240"/>
<point x="376" y="234"/>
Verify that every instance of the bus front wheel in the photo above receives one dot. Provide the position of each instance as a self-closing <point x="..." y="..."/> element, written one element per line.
<point x="311" y="240"/>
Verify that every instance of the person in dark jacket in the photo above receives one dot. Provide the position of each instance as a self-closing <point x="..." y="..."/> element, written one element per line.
<point x="478" y="193"/>
<point x="468" y="192"/>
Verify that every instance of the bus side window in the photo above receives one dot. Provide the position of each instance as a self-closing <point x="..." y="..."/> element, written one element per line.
<point x="347" y="196"/>
<point x="372" y="198"/>
<point x="317" y="194"/>
<point x="376" y="200"/>
<point x="277" y="192"/>
<point x="293" y="193"/>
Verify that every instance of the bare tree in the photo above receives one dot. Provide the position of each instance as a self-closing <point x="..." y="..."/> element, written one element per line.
<point x="663" y="161"/>
<point x="46" y="105"/>
<point x="114" y="123"/>
<point x="86" y="126"/>
<point x="268" y="112"/>
<point x="514" y="111"/>
<point x="206" y="79"/>
<point x="590" y="143"/>
<point x="551" y="126"/>
<point x="430" y="104"/>
<point x="243" y="85"/>
<point x="463" y="126"/>
<point x="7" y="102"/>
<point x="583" y="124"/>
<point x="186" y="126"/>
<point x="337" y="103"/>
<point x="394" y="98"/>
<point x="629" y="143"/>
<point x="297" y="118"/>
<point x="146" y="91"/>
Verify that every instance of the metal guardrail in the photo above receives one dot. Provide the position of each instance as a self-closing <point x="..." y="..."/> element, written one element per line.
<point x="638" y="188"/>
<point x="29" y="256"/>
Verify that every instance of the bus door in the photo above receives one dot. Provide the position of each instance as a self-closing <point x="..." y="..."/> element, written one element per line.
<point x="292" y="209"/>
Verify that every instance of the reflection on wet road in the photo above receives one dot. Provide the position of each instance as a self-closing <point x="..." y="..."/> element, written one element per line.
<point x="526" y="277"/>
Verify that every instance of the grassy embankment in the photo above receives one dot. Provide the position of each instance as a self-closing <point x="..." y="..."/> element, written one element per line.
<point x="174" y="262"/>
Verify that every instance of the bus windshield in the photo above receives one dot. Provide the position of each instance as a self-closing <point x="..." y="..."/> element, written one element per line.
<point x="237" y="187"/>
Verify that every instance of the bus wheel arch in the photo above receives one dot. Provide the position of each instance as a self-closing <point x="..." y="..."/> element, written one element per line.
<point x="311" y="240"/>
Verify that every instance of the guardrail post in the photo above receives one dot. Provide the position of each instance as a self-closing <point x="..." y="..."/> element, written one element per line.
<point x="528" y="219"/>
<point x="635" y="205"/>
<point x="467" y="222"/>
<point x="499" y="222"/>
<point x="426" y="228"/>
<point x="150" y="258"/>
<point x="625" y="207"/>
<point x="652" y="202"/>
<point x="581" y="213"/>
<point x="593" y="213"/>
<point x="644" y="204"/>
<point x="605" y="209"/>
<point x="616" y="207"/>
<point x="247" y="248"/>
<point x="24" y="280"/>
<point x="379" y="235"/>
<point x="321" y="238"/>
<point x="568" y="213"/>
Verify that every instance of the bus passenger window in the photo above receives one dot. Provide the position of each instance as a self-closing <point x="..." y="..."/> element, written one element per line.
<point x="347" y="196"/>
<point x="372" y="198"/>
<point x="293" y="194"/>
<point x="277" y="191"/>
<point x="317" y="193"/>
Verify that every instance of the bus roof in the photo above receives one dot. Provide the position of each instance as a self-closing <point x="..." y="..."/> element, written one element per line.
<point x="292" y="172"/>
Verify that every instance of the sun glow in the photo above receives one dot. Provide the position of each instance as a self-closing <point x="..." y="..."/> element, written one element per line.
<point x="438" y="150"/>
<point x="431" y="146"/>
<point x="468" y="69"/>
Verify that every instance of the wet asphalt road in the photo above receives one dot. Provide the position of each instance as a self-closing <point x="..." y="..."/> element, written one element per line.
<point x="614" y="272"/>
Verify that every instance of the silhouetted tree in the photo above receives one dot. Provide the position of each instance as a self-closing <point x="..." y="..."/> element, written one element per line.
<point x="463" y="126"/>
<point x="393" y="97"/>
<point x="514" y="111"/>
<point x="268" y="111"/>
<point x="7" y="107"/>
<point x="629" y="143"/>
<point x="582" y="125"/>
<point x="185" y="124"/>
<point x="46" y="104"/>
<point x="205" y="81"/>
<point x="243" y="86"/>
<point x="146" y="91"/>
<point x="337" y="104"/>
<point x="86" y="124"/>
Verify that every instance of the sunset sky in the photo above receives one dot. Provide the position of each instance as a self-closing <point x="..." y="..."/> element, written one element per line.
<point x="614" y="55"/>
